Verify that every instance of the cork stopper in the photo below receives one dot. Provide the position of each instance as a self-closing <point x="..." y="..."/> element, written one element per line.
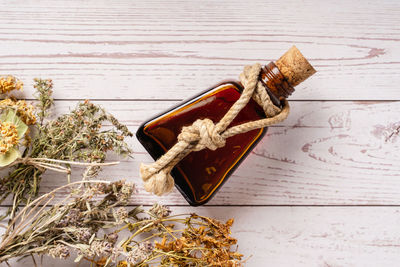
<point x="294" y="66"/>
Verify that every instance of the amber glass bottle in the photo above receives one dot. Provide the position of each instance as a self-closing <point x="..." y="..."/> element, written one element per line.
<point x="199" y="175"/>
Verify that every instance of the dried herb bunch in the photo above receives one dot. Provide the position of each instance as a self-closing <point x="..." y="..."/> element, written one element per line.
<point x="180" y="240"/>
<point x="76" y="226"/>
<point x="56" y="144"/>
<point x="71" y="224"/>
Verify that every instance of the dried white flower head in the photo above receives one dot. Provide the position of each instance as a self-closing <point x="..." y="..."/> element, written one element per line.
<point x="147" y="247"/>
<point x="59" y="251"/>
<point x="83" y="234"/>
<point x="115" y="253"/>
<point x="120" y="215"/>
<point x="73" y="218"/>
<point x="160" y="211"/>
<point x="101" y="248"/>
<point x="139" y="253"/>
<point x="126" y="192"/>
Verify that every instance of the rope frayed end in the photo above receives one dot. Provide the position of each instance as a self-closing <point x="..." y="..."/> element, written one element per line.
<point x="158" y="183"/>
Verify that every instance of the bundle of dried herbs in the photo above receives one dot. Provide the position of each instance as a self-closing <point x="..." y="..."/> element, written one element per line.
<point x="73" y="223"/>
<point x="76" y="226"/>
<point x="162" y="239"/>
<point x="31" y="143"/>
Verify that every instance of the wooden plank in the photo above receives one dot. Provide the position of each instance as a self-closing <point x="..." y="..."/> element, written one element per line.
<point x="305" y="236"/>
<point x="338" y="153"/>
<point x="131" y="50"/>
<point x="325" y="153"/>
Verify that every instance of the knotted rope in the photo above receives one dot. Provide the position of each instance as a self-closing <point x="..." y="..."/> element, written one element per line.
<point x="204" y="133"/>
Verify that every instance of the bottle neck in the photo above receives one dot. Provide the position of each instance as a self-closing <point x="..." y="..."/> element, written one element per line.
<point x="275" y="83"/>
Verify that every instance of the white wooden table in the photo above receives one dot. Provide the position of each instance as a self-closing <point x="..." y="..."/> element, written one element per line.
<point x="323" y="188"/>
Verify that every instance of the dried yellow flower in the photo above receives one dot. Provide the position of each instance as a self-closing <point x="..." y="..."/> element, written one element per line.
<point x="8" y="136"/>
<point x="122" y="264"/>
<point x="24" y="110"/>
<point x="208" y="244"/>
<point x="10" y="83"/>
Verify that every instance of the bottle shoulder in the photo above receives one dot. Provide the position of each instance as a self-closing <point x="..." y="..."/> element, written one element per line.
<point x="226" y="84"/>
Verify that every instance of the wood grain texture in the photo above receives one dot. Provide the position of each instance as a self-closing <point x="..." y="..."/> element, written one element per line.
<point x="303" y="236"/>
<point x="325" y="153"/>
<point x="137" y="50"/>
<point x="339" y="146"/>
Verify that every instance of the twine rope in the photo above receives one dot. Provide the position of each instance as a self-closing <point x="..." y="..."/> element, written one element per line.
<point x="204" y="133"/>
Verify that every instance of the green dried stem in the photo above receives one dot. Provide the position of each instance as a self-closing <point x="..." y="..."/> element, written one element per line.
<point x="44" y="91"/>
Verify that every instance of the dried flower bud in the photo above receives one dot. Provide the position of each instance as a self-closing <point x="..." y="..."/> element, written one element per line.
<point x="112" y="238"/>
<point x="101" y="247"/>
<point x="139" y="253"/>
<point x="59" y="251"/>
<point x="10" y="83"/>
<point x="116" y="252"/>
<point x="83" y="234"/>
<point x="147" y="247"/>
<point x="160" y="211"/>
<point x="8" y="136"/>
<point x="120" y="215"/>
<point x="73" y="217"/>
<point x="126" y="191"/>
<point x="101" y="188"/>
